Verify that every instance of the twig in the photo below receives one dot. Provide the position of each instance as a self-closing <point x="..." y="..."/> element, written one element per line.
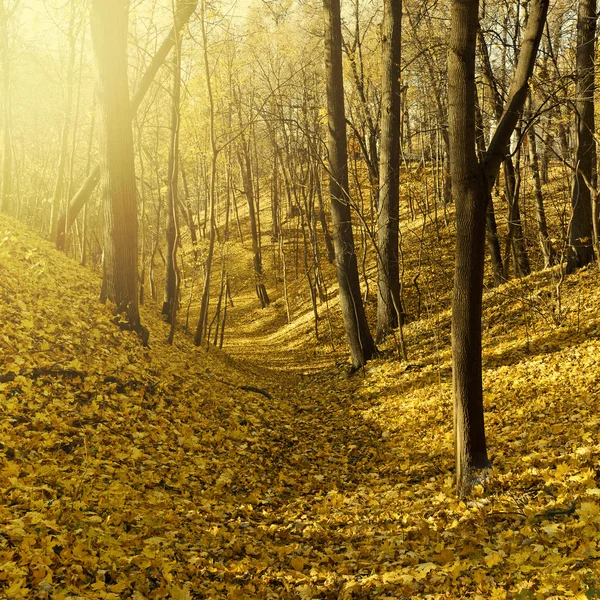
<point x="246" y="388"/>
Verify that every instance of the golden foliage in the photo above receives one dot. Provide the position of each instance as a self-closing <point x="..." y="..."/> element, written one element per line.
<point x="131" y="472"/>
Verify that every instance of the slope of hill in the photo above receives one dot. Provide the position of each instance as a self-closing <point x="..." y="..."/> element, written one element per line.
<point x="131" y="472"/>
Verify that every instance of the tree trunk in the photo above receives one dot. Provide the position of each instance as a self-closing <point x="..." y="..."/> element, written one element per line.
<point x="470" y="198"/>
<point x="511" y="181"/>
<point x="323" y="217"/>
<point x="490" y="215"/>
<point x="581" y="248"/>
<point x="109" y="20"/>
<point x="78" y="201"/>
<point x="57" y="197"/>
<point x="362" y="347"/>
<point x="540" y="211"/>
<point x="275" y="197"/>
<point x="245" y="163"/>
<point x="185" y="9"/>
<point x="187" y="209"/>
<point x="171" y="297"/>
<point x="388" y="280"/>
<point x="472" y="182"/>
<point x="515" y="242"/>
<point x="203" y="319"/>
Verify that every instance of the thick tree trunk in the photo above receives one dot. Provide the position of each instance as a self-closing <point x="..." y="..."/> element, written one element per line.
<point x="470" y="198"/>
<point x="581" y="246"/>
<point x="109" y="20"/>
<point x="472" y="182"/>
<point x="362" y="346"/>
<point x="388" y="281"/>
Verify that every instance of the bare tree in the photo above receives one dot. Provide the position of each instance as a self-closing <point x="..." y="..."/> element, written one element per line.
<point x="201" y="329"/>
<point x="388" y="282"/>
<point x="185" y="9"/>
<point x="171" y="299"/>
<point x="59" y="187"/>
<point x="362" y="346"/>
<point x="581" y="246"/>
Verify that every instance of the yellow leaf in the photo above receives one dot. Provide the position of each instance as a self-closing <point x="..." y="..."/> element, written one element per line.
<point x="445" y="556"/>
<point x="423" y="569"/>
<point x="551" y="529"/>
<point x="178" y="593"/>
<point x="396" y="576"/>
<point x="493" y="558"/>
<point x="298" y="563"/>
<point x="588" y="511"/>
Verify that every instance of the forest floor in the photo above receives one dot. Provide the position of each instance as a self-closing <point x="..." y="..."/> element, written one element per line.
<point x="131" y="472"/>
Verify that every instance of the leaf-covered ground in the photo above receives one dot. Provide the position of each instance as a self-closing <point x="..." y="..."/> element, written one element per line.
<point x="130" y="472"/>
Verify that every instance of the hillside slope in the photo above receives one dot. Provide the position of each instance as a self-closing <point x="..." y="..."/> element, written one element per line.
<point x="131" y="472"/>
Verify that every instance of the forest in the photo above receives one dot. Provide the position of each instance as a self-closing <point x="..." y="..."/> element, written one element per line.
<point x="299" y="299"/>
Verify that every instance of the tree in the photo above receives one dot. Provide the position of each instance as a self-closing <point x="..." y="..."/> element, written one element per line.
<point x="244" y="159"/>
<point x="185" y="9"/>
<point x="540" y="211"/>
<point x="512" y="180"/>
<point x="59" y="187"/>
<point x="581" y="246"/>
<point x="171" y="298"/>
<point x="6" y="191"/>
<point x="109" y="23"/>
<point x="362" y="346"/>
<point x="472" y="181"/>
<point x="201" y="329"/>
<point x="388" y="282"/>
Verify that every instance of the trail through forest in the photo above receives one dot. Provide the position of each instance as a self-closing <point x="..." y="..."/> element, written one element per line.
<point x="132" y="472"/>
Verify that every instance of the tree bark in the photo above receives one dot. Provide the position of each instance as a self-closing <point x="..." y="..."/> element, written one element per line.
<point x="323" y="217"/>
<point x="388" y="281"/>
<point x="515" y="243"/>
<point x="362" y="346"/>
<point x="540" y="211"/>
<point x="109" y="21"/>
<point x="581" y="246"/>
<point x="472" y="182"/>
<point x="511" y="182"/>
<point x="470" y="199"/>
<point x="490" y="215"/>
<point x="171" y="297"/>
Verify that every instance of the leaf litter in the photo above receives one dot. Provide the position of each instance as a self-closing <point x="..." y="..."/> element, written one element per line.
<point x="132" y="472"/>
